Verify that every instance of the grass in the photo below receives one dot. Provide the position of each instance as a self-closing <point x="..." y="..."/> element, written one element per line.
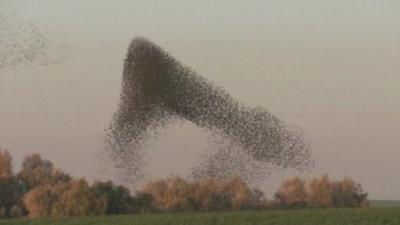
<point x="371" y="216"/>
<point x="385" y="203"/>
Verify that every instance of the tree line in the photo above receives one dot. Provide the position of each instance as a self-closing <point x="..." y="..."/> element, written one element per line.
<point x="320" y="192"/>
<point x="41" y="190"/>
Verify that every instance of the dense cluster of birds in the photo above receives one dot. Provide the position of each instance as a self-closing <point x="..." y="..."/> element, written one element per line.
<point x="24" y="43"/>
<point x="157" y="89"/>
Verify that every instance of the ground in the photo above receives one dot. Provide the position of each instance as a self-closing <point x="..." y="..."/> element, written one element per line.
<point x="385" y="203"/>
<point x="370" y="216"/>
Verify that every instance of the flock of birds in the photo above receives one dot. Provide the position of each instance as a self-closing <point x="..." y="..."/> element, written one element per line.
<point x="23" y="43"/>
<point x="157" y="90"/>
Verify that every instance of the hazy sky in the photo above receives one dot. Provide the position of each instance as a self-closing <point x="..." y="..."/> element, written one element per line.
<point x="329" y="67"/>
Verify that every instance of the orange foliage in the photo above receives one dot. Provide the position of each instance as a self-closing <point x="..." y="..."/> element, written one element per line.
<point x="5" y="164"/>
<point x="320" y="191"/>
<point x="348" y="193"/>
<point x="169" y="194"/>
<point x="292" y="193"/>
<point x="177" y="194"/>
<point x="73" y="198"/>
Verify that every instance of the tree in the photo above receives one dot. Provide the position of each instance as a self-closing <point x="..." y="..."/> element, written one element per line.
<point x="207" y="195"/>
<point x="16" y="211"/>
<point x="10" y="190"/>
<point x="142" y="203"/>
<point x="348" y="193"/>
<point x="320" y="191"/>
<point x="258" y="200"/>
<point x="292" y="193"/>
<point x="72" y="198"/>
<point x="39" y="201"/>
<point x="239" y="194"/>
<point x="171" y="194"/>
<point x="177" y="194"/>
<point x="37" y="171"/>
<point x="78" y="199"/>
<point x="5" y="164"/>
<point x="118" y="199"/>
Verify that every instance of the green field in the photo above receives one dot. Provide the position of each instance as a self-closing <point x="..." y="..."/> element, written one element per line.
<point x="371" y="216"/>
<point x="385" y="203"/>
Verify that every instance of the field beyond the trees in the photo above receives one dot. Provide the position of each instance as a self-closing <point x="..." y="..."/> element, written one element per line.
<point x="364" y="216"/>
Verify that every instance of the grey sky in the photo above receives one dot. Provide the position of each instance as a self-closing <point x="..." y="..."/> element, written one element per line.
<point x="329" y="67"/>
